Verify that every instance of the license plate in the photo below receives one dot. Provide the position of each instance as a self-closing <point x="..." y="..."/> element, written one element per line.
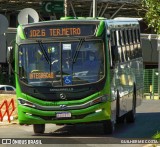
<point x="63" y="115"/>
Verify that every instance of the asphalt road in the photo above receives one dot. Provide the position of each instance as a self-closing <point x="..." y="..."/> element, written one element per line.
<point x="146" y="125"/>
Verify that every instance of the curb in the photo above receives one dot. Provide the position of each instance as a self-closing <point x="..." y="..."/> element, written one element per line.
<point x="152" y="145"/>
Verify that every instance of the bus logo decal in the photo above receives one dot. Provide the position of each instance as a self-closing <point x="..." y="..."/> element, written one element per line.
<point x="62" y="96"/>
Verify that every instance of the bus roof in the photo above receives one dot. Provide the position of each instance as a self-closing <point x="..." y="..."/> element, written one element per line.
<point x="128" y="18"/>
<point x="82" y="21"/>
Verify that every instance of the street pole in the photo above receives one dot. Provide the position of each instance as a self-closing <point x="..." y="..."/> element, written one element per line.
<point x="94" y="8"/>
<point x="66" y="8"/>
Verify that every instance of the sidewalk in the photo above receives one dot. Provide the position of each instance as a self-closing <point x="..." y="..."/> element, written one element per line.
<point x="5" y="122"/>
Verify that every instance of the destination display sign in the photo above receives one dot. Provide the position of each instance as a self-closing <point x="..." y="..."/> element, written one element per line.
<point x="60" y="31"/>
<point x="42" y="75"/>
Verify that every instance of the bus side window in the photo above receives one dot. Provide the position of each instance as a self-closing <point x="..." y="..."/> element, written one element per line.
<point x="109" y="46"/>
<point x="139" y="43"/>
<point x="131" y="43"/>
<point x="118" y="44"/>
<point x="128" y="45"/>
<point x="123" y="48"/>
<point x="114" y="49"/>
<point x="124" y="44"/>
<point x="135" y="43"/>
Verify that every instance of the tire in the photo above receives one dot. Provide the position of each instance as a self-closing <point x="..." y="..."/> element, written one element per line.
<point x="121" y="119"/>
<point x="130" y="117"/>
<point x="39" y="128"/>
<point x="108" y="127"/>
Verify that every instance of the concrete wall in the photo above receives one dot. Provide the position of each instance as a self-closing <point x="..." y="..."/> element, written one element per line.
<point x="149" y="48"/>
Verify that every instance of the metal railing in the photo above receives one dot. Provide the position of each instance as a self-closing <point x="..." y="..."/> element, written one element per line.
<point x="151" y="84"/>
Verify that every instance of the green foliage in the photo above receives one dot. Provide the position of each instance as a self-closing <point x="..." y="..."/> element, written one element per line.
<point x="7" y="79"/>
<point x="156" y="136"/>
<point x="2" y="78"/>
<point x="153" y="13"/>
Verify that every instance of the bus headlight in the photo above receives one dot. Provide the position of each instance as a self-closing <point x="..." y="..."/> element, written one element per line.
<point x="99" y="100"/>
<point x="25" y="103"/>
<point x="99" y="110"/>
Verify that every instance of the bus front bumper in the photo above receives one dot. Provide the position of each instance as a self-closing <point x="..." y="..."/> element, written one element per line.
<point x="98" y="112"/>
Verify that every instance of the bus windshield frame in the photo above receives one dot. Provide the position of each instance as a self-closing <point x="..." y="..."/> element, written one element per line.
<point x="62" y="63"/>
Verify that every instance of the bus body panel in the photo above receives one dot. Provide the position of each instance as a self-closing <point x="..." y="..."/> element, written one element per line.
<point x="126" y="65"/>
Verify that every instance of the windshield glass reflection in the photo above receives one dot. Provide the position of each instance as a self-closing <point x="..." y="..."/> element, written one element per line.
<point x="55" y="64"/>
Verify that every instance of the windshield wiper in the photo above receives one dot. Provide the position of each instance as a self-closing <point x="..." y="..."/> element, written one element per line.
<point x="77" y="50"/>
<point x="44" y="52"/>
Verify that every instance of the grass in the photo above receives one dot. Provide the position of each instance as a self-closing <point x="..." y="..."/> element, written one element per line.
<point x="157" y="136"/>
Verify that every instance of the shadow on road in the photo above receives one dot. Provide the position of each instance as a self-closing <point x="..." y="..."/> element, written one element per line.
<point x="145" y="126"/>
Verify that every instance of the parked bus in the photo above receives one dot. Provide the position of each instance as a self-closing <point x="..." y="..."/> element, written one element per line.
<point x="78" y="71"/>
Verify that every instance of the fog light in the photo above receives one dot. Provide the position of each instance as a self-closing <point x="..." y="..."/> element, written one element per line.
<point x="99" y="110"/>
<point x="29" y="114"/>
<point x="25" y="103"/>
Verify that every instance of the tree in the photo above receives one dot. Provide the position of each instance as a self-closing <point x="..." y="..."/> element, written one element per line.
<point x="152" y="13"/>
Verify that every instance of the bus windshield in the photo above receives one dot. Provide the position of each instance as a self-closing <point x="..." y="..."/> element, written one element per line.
<point x="61" y="63"/>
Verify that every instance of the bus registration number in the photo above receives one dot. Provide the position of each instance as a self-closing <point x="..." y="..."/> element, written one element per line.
<point x="63" y="115"/>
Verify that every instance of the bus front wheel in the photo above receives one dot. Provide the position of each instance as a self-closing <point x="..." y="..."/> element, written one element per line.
<point x="108" y="127"/>
<point x="39" y="128"/>
<point x="130" y="117"/>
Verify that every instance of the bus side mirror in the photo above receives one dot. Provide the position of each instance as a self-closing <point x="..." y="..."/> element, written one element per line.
<point x="108" y="34"/>
<point x="10" y="51"/>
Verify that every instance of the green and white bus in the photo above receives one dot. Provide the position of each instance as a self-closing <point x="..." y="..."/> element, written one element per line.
<point x="73" y="71"/>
